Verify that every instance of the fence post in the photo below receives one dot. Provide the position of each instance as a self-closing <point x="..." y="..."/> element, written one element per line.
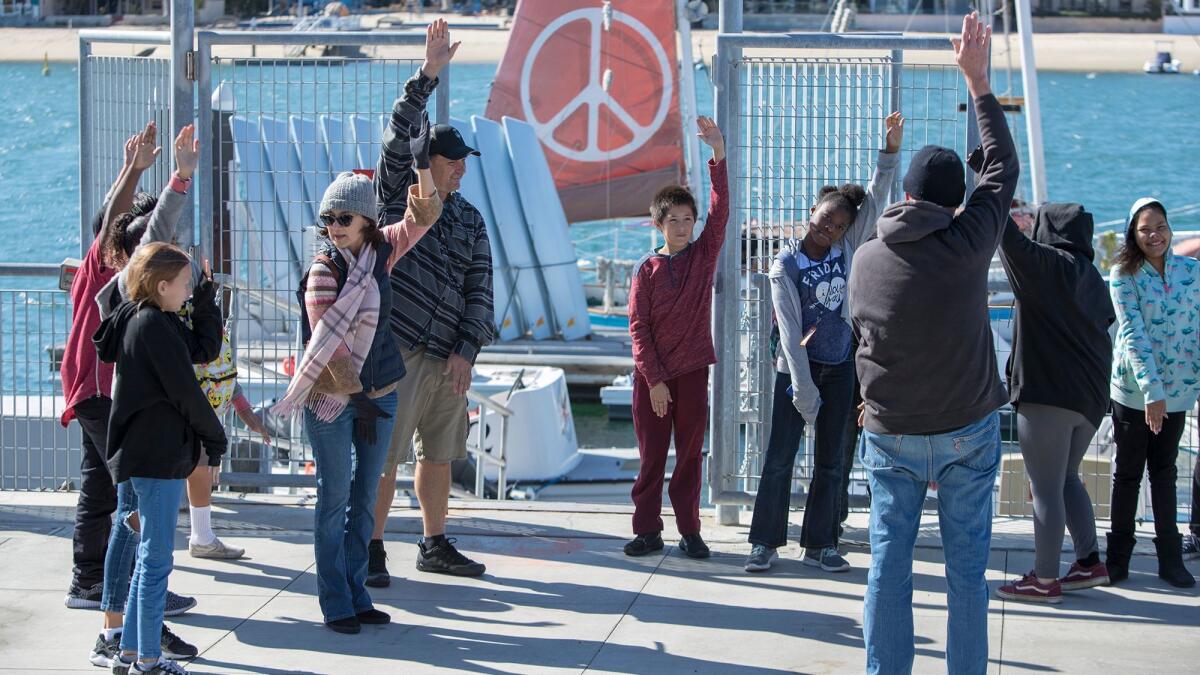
<point x="183" y="100"/>
<point x="725" y="415"/>
<point x="85" y="146"/>
<point x="206" y="188"/>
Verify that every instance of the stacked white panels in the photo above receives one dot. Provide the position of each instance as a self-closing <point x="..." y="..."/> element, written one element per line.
<point x="548" y="230"/>
<point x="508" y="320"/>
<point x="510" y="224"/>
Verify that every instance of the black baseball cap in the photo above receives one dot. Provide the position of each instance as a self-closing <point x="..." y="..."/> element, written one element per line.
<point x="445" y="140"/>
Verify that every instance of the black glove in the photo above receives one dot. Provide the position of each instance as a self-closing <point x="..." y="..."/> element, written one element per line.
<point x="418" y="143"/>
<point x="366" y="414"/>
<point x="205" y="294"/>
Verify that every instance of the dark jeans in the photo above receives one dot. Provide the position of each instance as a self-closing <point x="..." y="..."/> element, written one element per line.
<point x="97" y="494"/>
<point x="850" y="445"/>
<point x="769" y="526"/>
<point x="1138" y="451"/>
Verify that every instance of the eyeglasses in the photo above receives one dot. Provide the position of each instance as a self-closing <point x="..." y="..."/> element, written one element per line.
<point x="343" y="220"/>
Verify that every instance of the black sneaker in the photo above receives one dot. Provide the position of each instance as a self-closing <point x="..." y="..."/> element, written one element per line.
<point x="377" y="572"/>
<point x="347" y="626"/>
<point x="644" y="544"/>
<point x="693" y="546"/>
<point x="373" y="617"/>
<point x="827" y="559"/>
<point x="163" y="666"/>
<point x="177" y="604"/>
<point x="84" y="598"/>
<point x="173" y="646"/>
<point x="445" y="559"/>
<point x="105" y="652"/>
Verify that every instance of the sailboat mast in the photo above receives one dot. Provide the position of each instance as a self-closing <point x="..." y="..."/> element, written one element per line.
<point x="1033" y="108"/>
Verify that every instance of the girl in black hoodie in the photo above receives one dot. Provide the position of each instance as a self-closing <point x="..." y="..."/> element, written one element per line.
<point x="1058" y="382"/>
<point x="160" y="420"/>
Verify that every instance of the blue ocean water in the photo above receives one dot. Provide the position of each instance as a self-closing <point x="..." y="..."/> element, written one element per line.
<point x="1109" y="139"/>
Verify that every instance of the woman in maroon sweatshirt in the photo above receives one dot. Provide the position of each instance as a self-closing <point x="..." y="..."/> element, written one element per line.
<point x="669" y="319"/>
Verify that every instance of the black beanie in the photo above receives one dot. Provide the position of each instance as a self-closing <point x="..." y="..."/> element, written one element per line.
<point x="935" y="174"/>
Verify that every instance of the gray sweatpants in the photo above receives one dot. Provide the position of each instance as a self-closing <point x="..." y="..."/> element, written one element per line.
<point x="1053" y="442"/>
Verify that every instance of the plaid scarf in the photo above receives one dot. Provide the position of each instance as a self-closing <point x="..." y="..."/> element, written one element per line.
<point x="351" y="319"/>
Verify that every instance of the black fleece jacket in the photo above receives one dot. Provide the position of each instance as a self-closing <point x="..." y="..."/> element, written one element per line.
<point x="918" y="301"/>
<point x="1062" y="351"/>
<point x="160" y="417"/>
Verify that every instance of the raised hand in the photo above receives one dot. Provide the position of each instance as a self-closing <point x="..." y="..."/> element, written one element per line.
<point x="710" y="135"/>
<point x="972" y="50"/>
<point x="187" y="152"/>
<point x="894" y="132"/>
<point x="147" y="147"/>
<point x="131" y="145"/>
<point x="438" y="49"/>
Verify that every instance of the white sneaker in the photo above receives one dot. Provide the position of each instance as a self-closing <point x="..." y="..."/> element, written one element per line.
<point x="217" y="550"/>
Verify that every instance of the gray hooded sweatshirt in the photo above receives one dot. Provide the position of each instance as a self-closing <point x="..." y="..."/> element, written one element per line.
<point x="919" y="302"/>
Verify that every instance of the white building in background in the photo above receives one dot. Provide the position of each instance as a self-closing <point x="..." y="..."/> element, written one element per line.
<point x="1185" y="20"/>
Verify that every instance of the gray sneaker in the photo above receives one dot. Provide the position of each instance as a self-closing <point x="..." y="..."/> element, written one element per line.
<point x="177" y="604"/>
<point x="217" y="550"/>
<point x="827" y="559"/>
<point x="760" y="558"/>
<point x="162" y="667"/>
<point x="120" y="667"/>
<point x="1191" y="546"/>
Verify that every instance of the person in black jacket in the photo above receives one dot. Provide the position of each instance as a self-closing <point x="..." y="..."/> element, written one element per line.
<point x="160" y="422"/>
<point x="1058" y="376"/>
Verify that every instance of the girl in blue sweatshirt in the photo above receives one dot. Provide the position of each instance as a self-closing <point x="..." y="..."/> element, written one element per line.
<point x="1155" y="381"/>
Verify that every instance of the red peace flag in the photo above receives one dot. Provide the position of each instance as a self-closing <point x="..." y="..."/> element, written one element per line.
<point x="601" y="87"/>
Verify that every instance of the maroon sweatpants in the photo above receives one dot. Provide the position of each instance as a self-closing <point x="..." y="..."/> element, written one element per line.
<point x="687" y="417"/>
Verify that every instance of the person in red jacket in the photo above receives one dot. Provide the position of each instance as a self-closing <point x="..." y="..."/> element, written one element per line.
<point x="669" y="319"/>
<point x="87" y="382"/>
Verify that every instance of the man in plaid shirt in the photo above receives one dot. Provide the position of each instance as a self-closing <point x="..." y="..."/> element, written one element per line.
<point x="441" y="317"/>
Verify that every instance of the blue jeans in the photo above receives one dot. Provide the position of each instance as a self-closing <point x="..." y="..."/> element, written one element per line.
<point x="963" y="465"/>
<point x="821" y="512"/>
<point x="347" y="481"/>
<point x="122" y="551"/>
<point x="158" y="508"/>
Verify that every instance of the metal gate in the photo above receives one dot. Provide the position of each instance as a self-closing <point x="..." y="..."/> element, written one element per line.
<point x="120" y="90"/>
<point x="801" y="111"/>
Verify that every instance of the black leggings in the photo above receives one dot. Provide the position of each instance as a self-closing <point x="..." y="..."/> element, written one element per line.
<point x="1138" y="451"/>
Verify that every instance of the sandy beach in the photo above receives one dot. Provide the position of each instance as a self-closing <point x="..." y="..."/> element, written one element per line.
<point x="1081" y="52"/>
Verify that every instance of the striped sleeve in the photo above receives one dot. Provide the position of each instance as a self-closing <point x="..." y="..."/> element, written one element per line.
<point x="393" y="173"/>
<point x="476" y="328"/>
<point x="319" y="296"/>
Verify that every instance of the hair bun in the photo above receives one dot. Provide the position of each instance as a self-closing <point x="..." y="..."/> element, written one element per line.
<point x="826" y="190"/>
<point x="854" y="193"/>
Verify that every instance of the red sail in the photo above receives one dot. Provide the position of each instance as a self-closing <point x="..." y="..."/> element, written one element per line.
<point x="601" y="86"/>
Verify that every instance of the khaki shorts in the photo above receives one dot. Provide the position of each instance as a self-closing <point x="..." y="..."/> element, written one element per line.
<point x="429" y="416"/>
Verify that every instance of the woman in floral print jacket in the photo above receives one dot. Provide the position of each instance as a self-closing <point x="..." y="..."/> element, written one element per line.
<point x="1155" y="381"/>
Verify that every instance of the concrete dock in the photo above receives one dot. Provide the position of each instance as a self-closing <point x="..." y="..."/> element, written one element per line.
<point x="560" y="597"/>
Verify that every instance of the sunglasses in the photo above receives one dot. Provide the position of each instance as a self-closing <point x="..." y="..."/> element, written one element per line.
<point x="343" y="220"/>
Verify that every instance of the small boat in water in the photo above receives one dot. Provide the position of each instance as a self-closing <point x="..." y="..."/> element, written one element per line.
<point x="1163" y="62"/>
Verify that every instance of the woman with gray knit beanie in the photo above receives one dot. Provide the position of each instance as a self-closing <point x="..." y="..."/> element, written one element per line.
<point x="346" y="381"/>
